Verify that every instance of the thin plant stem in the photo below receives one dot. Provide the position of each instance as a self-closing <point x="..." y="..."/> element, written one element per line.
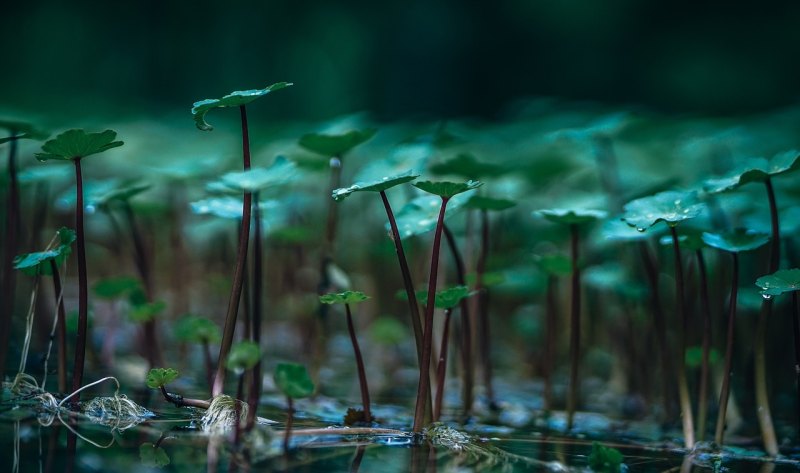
<point x="180" y="401"/>
<point x="62" y="328"/>
<point x="355" y="464"/>
<point x="467" y="361"/>
<point x="413" y="305"/>
<point x="763" y="412"/>
<point x="10" y="247"/>
<point x="550" y="341"/>
<point x="255" y="387"/>
<point x="575" y="328"/>
<point x="289" y="420"/>
<point x="680" y="306"/>
<point x="702" y="398"/>
<point x="424" y="378"/>
<point x="724" y="394"/>
<point x="484" y="339"/>
<point x="441" y="370"/>
<point x="80" y="339"/>
<point x="238" y="273"/>
<point x="796" y="331"/>
<point x="362" y="375"/>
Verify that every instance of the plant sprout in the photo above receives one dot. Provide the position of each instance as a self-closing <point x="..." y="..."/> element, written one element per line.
<point x="733" y="242"/>
<point x="158" y="378"/>
<point x="445" y="190"/>
<point x="74" y="145"/>
<point x="762" y="170"/>
<point x="347" y="298"/>
<point x="671" y="207"/>
<point x="239" y="98"/>
<point x="573" y="219"/>
<point x="293" y="380"/>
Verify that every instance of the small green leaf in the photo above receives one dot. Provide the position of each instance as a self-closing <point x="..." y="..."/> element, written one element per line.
<point x="572" y="217"/>
<point x="446" y="298"/>
<point x="467" y="166"/>
<point x="243" y="356"/>
<point x="114" y="288"/>
<point x="147" y="311"/>
<point x="190" y="328"/>
<point x="755" y="170"/>
<point x="152" y="456"/>
<point x="19" y="130"/>
<point x="671" y="207"/>
<point x="335" y="145"/>
<point x="615" y="229"/>
<point x="346" y="297"/>
<point x="554" y="264"/>
<point x="604" y="459"/>
<point x="378" y="185"/>
<point x="489" y="203"/>
<point x="39" y="262"/>
<point x="280" y="172"/>
<point x="293" y="380"/>
<point x="446" y="189"/>
<point x="234" y="99"/>
<point x="737" y="240"/>
<point x="224" y="207"/>
<point x="158" y="377"/>
<point x="75" y="144"/>
<point x="775" y="284"/>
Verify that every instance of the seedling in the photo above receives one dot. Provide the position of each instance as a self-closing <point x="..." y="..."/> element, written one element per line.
<point x="573" y="219"/>
<point x="158" y="378"/>
<point x="74" y="145"/>
<point x="761" y="170"/>
<point x="445" y="190"/>
<point x="671" y="207"/>
<point x="193" y="329"/>
<point x="775" y="284"/>
<point x="733" y="242"/>
<point x="293" y="380"/>
<point x="347" y="298"/>
<point x="485" y="205"/>
<point x="239" y="98"/>
<point x="46" y="263"/>
<point x="446" y="300"/>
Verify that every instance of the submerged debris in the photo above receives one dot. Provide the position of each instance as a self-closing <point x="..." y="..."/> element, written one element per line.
<point x="117" y="411"/>
<point x="222" y="413"/>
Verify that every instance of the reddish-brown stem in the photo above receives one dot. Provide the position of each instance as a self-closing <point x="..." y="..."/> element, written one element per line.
<point x="359" y="455"/>
<point x="726" y="376"/>
<point x="441" y="371"/>
<point x="362" y="375"/>
<point x="255" y="386"/>
<point x="238" y="273"/>
<point x="62" y="328"/>
<point x="575" y="328"/>
<point x="181" y="401"/>
<point x="289" y="420"/>
<point x="702" y="398"/>
<point x="680" y="307"/>
<point x="10" y="249"/>
<point x="466" y="328"/>
<point x="80" y="339"/>
<point x="424" y="378"/>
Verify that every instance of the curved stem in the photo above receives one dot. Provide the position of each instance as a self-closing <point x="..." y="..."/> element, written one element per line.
<point x="726" y="376"/>
<point x="680" y="307"/>
<point x="238" y="273"/>
<point x="466" y="327"/>
<point x="702" y="400"/>
<point x="575" y="328"/>
<point x="80" y="339"/>
<point x="424" y="379"/>
<point x="441" y="371"/>
<point x="362" y="376"/>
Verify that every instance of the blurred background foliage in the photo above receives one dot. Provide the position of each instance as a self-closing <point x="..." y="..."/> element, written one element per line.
<point x="397" y="59"/>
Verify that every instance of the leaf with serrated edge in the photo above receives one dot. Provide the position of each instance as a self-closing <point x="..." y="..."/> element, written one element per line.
<point x="572" y="217"/>
<point x="75" y="144"/>
<point x="293" y="380"/>
<point x="346" y="297"/>
<point x="378" y="185"/>
<point x="775" y="284"/>
<point x="234" y="99"/>
<point x="671" y="207"/>
<point x="446" y="189"/>
<point x="158" y="377"/>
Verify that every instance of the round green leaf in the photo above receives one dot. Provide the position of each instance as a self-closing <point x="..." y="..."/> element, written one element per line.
<point x="615" y="229"/>
<point x="280" y="172"/>
<point x="234" y="99"/>
<point x="488" y="203"/>
<point x="293" y="380"/>
<point x="19" y="130"/>
<point x="75" y="144"/>
<point x="671" y="207"/>
<point x="335" y="145"/>
<point x="223" y="207"/>
<point x="346" y="297"/>
<point x="420" y="214"/>
<point x="467" y="166"/>
<point x="39" y="262"/>
<point x="755" y="170"/>
<point x="377" y="185"/>
<point x="572" y="217"/>
<point x="158" y="377"/>
<point x="116" y="287"/>
<point x="775" y="284"/>
<point x="604" y="459"/>
<point x="737" y="240"/>
<point x="152" y="456"/>
<point x="446" y="189"/>
<point x="243" y="356"/>
<point x="446" y="298"/>
<point x="190" y="328"/>
<point x="147" y="311"/>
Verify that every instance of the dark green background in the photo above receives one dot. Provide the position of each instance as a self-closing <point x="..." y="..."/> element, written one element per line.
<point x="398" y="58"/>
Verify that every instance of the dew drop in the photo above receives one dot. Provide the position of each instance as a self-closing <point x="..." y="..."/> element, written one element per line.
<point x="766" y="296"/>
<point x="640" y="229"/>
